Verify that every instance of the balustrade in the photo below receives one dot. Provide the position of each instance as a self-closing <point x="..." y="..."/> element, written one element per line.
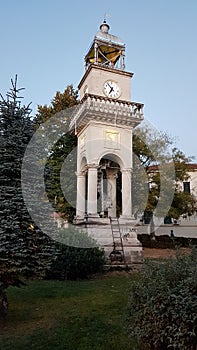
<point x="101" y="104"/>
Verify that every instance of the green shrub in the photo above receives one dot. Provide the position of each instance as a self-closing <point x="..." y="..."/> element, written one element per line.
<point x="74" y="260"/>
<point x="162" y="310"/>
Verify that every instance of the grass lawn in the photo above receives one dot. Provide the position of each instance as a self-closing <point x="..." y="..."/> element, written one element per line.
<point x="68" y="315"/>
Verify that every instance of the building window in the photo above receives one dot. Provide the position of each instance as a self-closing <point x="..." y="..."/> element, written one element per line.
<point x="186" y="187"/>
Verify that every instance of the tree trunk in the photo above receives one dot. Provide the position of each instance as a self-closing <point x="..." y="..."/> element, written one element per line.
<point x="3" y="304"/>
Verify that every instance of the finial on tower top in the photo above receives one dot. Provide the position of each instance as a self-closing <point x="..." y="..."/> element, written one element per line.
<point x="104" y="27"/>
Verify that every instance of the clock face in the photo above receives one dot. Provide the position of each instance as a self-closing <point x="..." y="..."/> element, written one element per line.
<point x="111" y="89"/>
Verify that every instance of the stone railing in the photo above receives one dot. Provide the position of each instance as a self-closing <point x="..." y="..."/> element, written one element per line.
<point x="98" y="104"/>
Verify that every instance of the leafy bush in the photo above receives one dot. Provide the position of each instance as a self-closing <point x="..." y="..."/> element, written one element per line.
<point x="162" y="310"/>
<point x="77" y="258"/>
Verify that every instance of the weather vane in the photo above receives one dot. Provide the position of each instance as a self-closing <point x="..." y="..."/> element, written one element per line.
<point x="106" y="15"/>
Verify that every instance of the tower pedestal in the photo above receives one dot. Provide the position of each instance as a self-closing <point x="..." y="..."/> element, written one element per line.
<point x="100" y="230"/>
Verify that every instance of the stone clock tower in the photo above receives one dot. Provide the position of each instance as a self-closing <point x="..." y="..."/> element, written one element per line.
<point x="103" y="122"/>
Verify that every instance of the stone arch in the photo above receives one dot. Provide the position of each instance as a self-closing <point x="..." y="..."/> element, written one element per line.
<point x="83" y="164"/>
<point x="113" y="157"/>
<point x="91" y="197"/>
<point x="109" y="184"/>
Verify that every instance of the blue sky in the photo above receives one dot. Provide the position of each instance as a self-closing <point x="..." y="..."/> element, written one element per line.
<point x="45" y="41"/>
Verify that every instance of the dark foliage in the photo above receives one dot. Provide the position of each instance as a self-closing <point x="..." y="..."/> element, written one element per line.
<point x="23" y="248"/>
<point x="76" y="263"/>
<point x="73" y="260"/>
<point x="61" y="151"/>
<point x="166" y="242"/>
<point x="162" y="310"/>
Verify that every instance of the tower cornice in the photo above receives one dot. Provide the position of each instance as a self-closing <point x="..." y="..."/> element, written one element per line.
<point x="104" y="69"/>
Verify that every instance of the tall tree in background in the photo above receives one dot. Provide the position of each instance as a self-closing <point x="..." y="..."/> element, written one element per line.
<point x="157" y="158"/>
<point x="63" y="148"/>
<point x="150" y="148"/>
<point x="23" y="247"/>
<point x="184" y="203"/>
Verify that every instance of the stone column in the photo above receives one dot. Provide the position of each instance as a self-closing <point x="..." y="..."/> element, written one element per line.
<point x="92" y="190"/>
<point x="95" y="53"/>
<point x="122" y="62"/>
<point x="81" y="183"/>
<point x="111" y="178"/>
<point x="126" y="193"/>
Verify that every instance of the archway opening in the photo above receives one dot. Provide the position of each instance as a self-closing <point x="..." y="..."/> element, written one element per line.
<point x="109" y="188"/>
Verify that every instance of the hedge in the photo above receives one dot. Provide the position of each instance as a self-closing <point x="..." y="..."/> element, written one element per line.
<point x="165" y="241"/>
<point x="162" y="309"/>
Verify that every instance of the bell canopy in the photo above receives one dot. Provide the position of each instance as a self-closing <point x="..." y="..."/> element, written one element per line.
<point x="106" y="49"/>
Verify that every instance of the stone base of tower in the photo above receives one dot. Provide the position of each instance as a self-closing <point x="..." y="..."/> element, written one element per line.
<point x="97" y="220"/>
<point x="87" y="219"/>
<point x="133" y="251"/>
<point x="100" y="230"/>
<point x="127" y="220"/>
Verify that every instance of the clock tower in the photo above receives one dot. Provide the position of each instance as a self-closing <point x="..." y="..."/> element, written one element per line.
<point x="104" y="121"/>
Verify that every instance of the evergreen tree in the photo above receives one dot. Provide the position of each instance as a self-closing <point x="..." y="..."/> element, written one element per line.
<point x="23" y="247"/>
